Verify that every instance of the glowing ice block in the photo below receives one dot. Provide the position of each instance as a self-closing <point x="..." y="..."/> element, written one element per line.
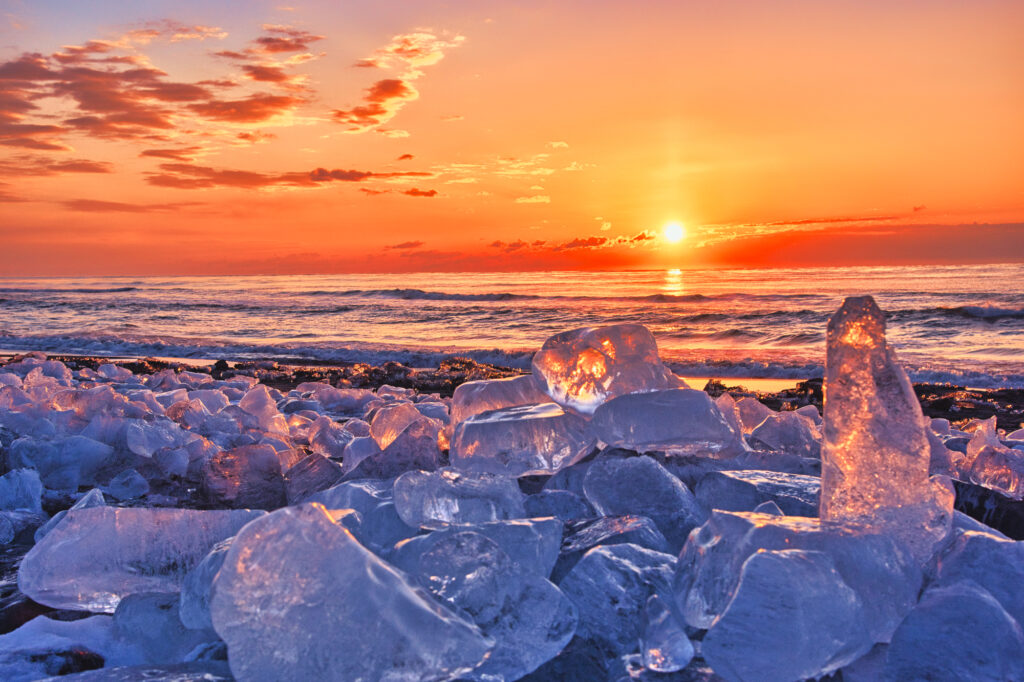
<point x="876" y="455"/>
<point x="582" y="368"/>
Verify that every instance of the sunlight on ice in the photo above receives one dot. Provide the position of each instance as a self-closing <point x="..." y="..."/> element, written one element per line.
<point x="876" y="454"/>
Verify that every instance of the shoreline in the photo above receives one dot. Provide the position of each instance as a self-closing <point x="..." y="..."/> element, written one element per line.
<point x="958" y="404"/>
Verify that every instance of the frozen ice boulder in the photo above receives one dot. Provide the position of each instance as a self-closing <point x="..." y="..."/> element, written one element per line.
<point x="994" y="563"/>
<point x="197" y="588"/>
<point x="474" y="397"/>
<point x="96" y="556"/>
<point x="127" y="485"/>
<point x="582" y="368"/>
<point x="876" y="455"/>
<point x="752" y="412"/>
<point x="582" y="536"/>
<point x="745" y="489"/>
<point x="21" y="489"/>
<point x="299" y="598"/>
<point x="532" y="545"/>
<point x="530" y="439"/>
<point x="391" y="420"/>
<point x="93" y="498"/>
<point x="874" y="566"/>
<point x="311" y="474"/>
<point x="562" y="504"/>
<point x="149" y="621"/>
<point x="245" y="477"/>
<point x="639" y="485"/>
<point x="792" y="617"/>
<point x="684" y="421"/>
<point x="664" y="645"/>
<point x="415" y="447"/>
<point x="528" y="617"/>
<point x="789" y="432"/>
<point x="957" y="632"/>
<point x="610" y="586"/>
<point x="452" y="496"/>
<point x="999" y="468"/>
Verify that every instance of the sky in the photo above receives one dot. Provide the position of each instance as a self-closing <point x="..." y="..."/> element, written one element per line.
<point x="232" y="137"/>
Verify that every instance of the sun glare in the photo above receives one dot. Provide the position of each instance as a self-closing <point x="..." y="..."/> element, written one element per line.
<point x="674" y="232"/>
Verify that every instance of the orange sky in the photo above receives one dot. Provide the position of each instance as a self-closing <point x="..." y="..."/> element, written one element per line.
<point x="230" y="137"/>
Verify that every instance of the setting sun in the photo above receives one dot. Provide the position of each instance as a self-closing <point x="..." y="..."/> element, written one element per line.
<point x="674" y="232"/>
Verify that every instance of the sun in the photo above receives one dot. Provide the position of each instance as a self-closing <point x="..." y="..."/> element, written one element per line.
<point x="674" y="232"/>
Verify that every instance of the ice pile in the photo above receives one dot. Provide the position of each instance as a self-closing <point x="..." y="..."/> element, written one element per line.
<point x="595" y="520"/>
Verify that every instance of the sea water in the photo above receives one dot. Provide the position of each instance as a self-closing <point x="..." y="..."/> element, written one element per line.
<point x="948" y="323"/>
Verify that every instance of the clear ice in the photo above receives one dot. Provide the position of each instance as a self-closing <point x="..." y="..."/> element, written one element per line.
<point x="298" y="598"/>
<point x="97" y="556"/>
<point x="582" y="368"/>
<point x="876" y="454"/>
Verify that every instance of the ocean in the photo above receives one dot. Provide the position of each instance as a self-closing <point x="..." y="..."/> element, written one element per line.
<point x="963" y="324"/>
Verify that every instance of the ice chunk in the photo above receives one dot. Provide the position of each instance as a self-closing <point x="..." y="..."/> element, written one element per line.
<point x="474" y="397"/>
<point x="583" y="536"/>
<point x="21" y="489"/>
<point x="456" y="497"/>
<point x="197" y="588"/>
<point x="744" y="489"/>
<point x="116" y="373"/>
<point x="530" y="439"/>
<point x="769" y="507"/>
<point x="245" y="477"/>
<point x="146" y="438"/>
<point x="993" y="563"/>
<point x="96" y="556"/>
<point x="752" y="412"/>
<point x="391" y="420"/>
<point x="299" y="598"/>
<point x="328" y="438"/>
<point x="992" y="464"/>
<point x="582" y="368"/>
<point x="44" y="646"/>
<point x="561" y="504"/>
<point x="610" y="586"/>
<point x="193" y="671"/>
<point x="664" y="644"/>
<point x="261" y="404"/>
<point x="792" y="617"/>
<point x="212" y="399"/>
<point x="874" y="566"/>
<point x="680" y="420"/>
<point x="414" y="448"/>
<point x="61" y="465"/>
<point x="876" y="456"/>
<point x="312" y="474"/>
<point x="532" y="545"/>
<point x="957" y="632"/>
<point x="127" y="485"/>
<point x="149" y="621"/>
<point x="789" y="432"/>
<point x="529" y="618"/>
<point x="639" y="485"/>
<point x="19" y="527"/>
<point x="93" y="498"/>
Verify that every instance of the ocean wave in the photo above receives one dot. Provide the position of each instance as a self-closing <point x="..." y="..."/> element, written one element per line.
<point x="418" y="295"/>
<point x="33" y="290"/>
<point x="986" y="312"/>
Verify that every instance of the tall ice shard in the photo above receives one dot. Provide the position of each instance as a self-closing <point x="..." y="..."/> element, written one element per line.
<point x="875" y="457"/>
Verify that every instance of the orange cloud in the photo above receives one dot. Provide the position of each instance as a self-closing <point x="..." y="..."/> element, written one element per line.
<point x="420" y="192"/>
<point x="95" y="206"/>
<point x="252" y="109"/>
<point x="383" y="100"/>
<point x="20" y="166"/>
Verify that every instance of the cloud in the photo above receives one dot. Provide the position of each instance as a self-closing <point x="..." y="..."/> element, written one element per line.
<point x="405" y="245"/>
<point x="918" y="209"/>
<point x="420" y="192"/>
<point x="267" y="74"/>
<point x="181" y="154"/>
<point x="373" y="192"/>
<point x="255" y="136"/>
<point x="252" y="109"/>
<point x="392" y="132"/>
<point x="411" y="51"/>
<point x="324" y="175"/>
<point x="405" y="157"/>
<point x="583" y="243"/>
<point x="536" y="199"/>
<point x="284" y="39"/>
<point x="558" y="145"/>
<point x="189" y="176"/>
<point x="383" y="100"/>
<point x="27" y="165"/>
<point x="95" y="206"/>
